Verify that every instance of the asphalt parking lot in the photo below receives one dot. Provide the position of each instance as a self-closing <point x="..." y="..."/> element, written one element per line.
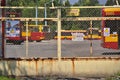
<point x="48" y="48"/>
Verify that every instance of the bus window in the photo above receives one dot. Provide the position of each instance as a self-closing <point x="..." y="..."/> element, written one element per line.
<point x="45" y="28"/>
<point x="113" y="27"/>
<point x="96" y="34"/>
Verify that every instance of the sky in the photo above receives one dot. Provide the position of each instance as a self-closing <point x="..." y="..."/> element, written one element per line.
<point x="101" y="1"/>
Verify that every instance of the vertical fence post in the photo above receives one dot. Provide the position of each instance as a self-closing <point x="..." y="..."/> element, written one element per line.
<point x="59" y="34"/>
<point x="91" y="49"/>
<point x="2" y="38"/>
<point x="26" y="38"/>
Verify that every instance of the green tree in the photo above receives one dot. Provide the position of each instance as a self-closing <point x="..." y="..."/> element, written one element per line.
<point x="65" y="24"/>
<point x="111" y="2"/>
<point x="79" y="3"/>
<point x="87" y="3"/>
<point x="85" y="12"/>
<point x="67" y="3"/>
<point x="20" y="3"/>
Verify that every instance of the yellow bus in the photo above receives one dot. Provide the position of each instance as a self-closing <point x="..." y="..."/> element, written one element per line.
<point x="93" y="33"/>
<point x="67" y="34"/>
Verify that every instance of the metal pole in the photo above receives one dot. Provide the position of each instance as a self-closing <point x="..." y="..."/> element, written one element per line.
<point x="91" y="49"/>
<point x="0" y="2"/>
<point x="36" y="13"/>
<point x="59" y="35"/>
<point x="117" y="3"/>
<point x="26" y="38"/>
<point x="45" y="15"/>
<point x="52" y="3"/>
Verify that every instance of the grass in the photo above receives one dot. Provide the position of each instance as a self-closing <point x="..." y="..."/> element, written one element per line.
<point x="6" y="78"/>
<point x="115" y="77"/>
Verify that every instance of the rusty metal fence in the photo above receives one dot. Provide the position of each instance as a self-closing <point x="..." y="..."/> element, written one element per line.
<point x="62" y="33"/>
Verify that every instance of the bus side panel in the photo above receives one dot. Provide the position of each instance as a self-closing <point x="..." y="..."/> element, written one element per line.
<point x="113" y="45"/>
<point x="66" y="37"/>
<point x="35" y="36"/>
<point x="111" y="41"/>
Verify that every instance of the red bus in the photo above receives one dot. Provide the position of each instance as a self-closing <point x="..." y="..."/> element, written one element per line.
<point x="16" y="30"/>
<point x="35" y="33"/>
<point x="96" y="34"/>
<point x="13" y="29"/>
<point x="111" y="29"/>
<point x="67" y="34"/>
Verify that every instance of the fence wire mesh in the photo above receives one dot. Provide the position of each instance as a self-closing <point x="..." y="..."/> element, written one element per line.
<point x="34" y="40"/>
<point x="84" y="33"/>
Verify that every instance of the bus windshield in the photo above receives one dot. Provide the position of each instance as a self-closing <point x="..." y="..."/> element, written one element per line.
<point x="114" y="26"/>
<point x="95" y="31"/>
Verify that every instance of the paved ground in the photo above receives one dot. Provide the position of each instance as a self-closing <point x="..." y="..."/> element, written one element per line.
<point x="49" y="49"/>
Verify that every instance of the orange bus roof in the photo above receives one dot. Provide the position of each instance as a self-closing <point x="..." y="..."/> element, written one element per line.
<point x="111" y="9"/>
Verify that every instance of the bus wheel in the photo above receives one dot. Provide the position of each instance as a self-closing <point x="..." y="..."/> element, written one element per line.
<point x="30" y="40"/>
<point x="65" y="38"/>
<point x="17" y="42"/>
<point x="38" y="40"/>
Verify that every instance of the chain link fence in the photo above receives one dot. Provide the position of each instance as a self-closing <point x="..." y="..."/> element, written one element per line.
<point x="62" y="32"/>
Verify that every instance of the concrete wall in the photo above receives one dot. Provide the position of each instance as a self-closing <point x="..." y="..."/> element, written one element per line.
<point x="90" y="67"/>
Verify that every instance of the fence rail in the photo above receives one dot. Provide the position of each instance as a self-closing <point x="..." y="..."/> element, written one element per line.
<point x="62" y="19"/>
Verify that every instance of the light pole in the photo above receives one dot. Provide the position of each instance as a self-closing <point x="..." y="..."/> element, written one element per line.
<point x="36" y="12"/>
<point x="117" y="3"/>
<point x="0" y="2"/>
<point x="45" y="14"/>
<point x="45" y="5"/>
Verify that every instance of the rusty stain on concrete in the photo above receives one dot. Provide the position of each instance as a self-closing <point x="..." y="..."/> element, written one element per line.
<point x="85" y="66"/>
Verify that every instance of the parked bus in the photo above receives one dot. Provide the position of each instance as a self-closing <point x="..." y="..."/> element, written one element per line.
<point x="93" y="33"/>
<point x="16" y="30"/>
<point x="35" y="33"/>
<point x="111" y="28"/>
<point x="67" y="34"/>
<point x="13" y="29"/>
<point x="17" y="35"/>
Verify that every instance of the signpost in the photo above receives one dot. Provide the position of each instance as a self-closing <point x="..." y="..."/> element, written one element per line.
<point x="106" y="31"/>
<point x="73" y="12"/>
<point x="77" y="36"/>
